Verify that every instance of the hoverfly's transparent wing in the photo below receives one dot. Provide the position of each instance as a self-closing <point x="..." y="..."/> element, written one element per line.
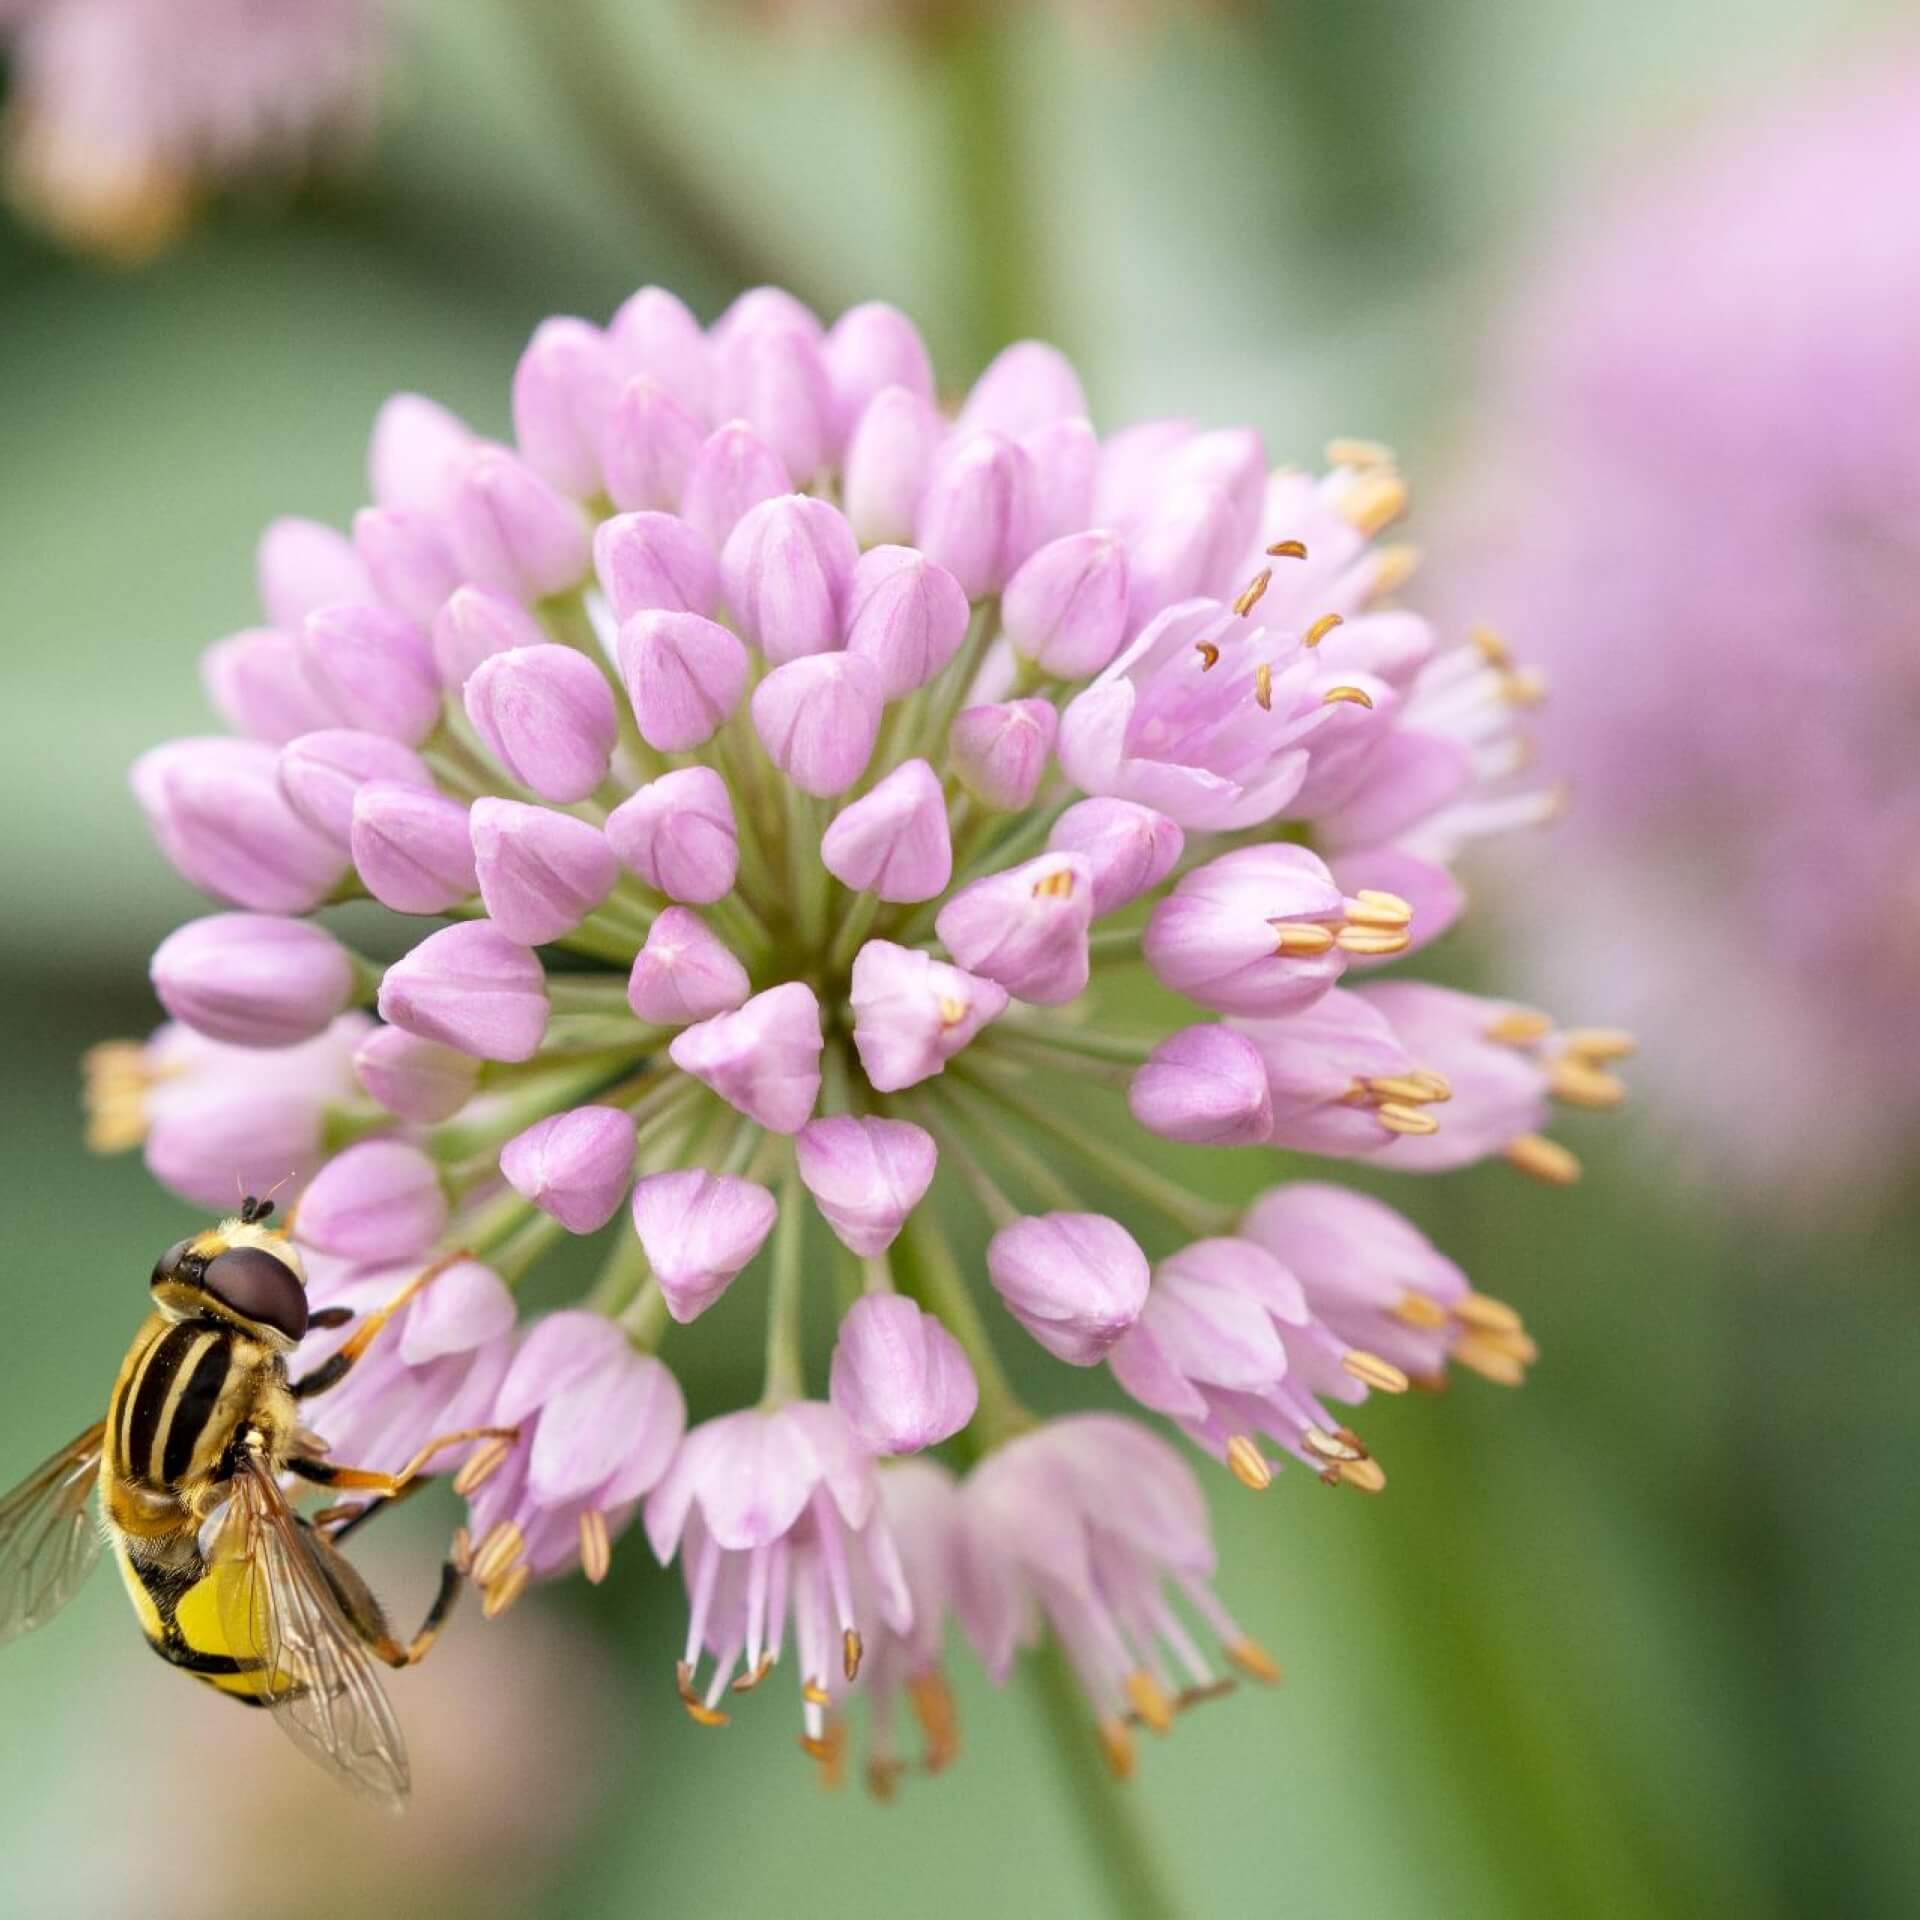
<point x="49" y="1539"/>
<point x="278" y="1607"/>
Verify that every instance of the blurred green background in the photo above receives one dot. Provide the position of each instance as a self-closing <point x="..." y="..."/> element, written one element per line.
<point x="1637" y="1640"/>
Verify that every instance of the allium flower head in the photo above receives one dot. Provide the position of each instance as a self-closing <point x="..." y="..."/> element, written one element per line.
<point x="779" y="772"/>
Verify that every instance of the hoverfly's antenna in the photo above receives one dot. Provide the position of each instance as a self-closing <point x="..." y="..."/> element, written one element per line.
<point x="252" y="1211"/>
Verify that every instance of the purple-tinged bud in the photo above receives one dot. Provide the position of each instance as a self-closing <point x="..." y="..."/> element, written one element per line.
<point x="1190" y="547"/>
<point x="409" y="558"/>
<point x="1025" y="928"/>
<point x="1028" y="385"/>
<point x="1334" y="1071"/>
<point x="976" y="517"/>
<point x="215" y="809"/>
<point x="512" y="531"/>
<point x="913" y="1013"/>
<point x="654" y="337"/>
<point x="678" y="834"/>
<point x="1204" y="1085"/>
<point x="300" y="564"/>
<point x="540" y="872"/>
<point x="905" y="616"/>
<point x="474" y="625"/>
<point x="773" y="376"/>
<point x="889" y="455"/>
<point x="734" y="470"/>
<point x="471" y="988"/>
<point x="415" y="1079"/>
<point x="252" y="979"/>
<point x="684" y="973"/>
<point x="698" y="1230"/>
<point x="785" y="571"/>
<point x="872" y="347"/>
<point x="763" y="1060"/>
<point x="380" y="1200"/>
<point x="893" y="841"/>
<point x="651" y="443"/>
<point x="654" y="563"/>
<point x="1066" y="459"/>
<point x="576" y="1165"/>
<point x="259" y="685"/>
<point x="1066" y="609"/>
<point x="321" y="773"/>
<point x="412" y="846"/>
<point x="900" y="1379"/>
<point x="1000" y="752"/>
<point x="761" y="307"/>
<point x="1128" y="848"/>
<point x="684" y="675"/>
<point x="547" y="715"/>
<point x="563" y="392"/>
<point x="414" y="456"/>
<point x="1254" y="932"/>
<point x="865" y="1175"/>
<point x="1075" y="1281"/>
<point x="374" y="669"/>
<point x="818" y="718"/>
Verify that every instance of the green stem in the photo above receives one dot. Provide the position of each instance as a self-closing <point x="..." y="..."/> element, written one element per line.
<point x="931" y="1275"/>
<point x="786" y="1371"/>
<point x="529" y="1100"/>
<point x="622" y="1275"/>
<point x="647" y="1319"/>
<point x="1062" y="1036"/>
<point x="516" y="1255"/>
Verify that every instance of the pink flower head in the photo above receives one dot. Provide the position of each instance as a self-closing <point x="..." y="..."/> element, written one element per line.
<point x="547" y="715"/>
<point x="380" y="1200"/>
<point x="785" y="572"/>
<point x="259" y="684"/>
<point x="684" y="676"/>
<point x="869" y="349"/>
<point x="373" y="668"/>
<point x="894" y="840"/>
<point x="685" y="972"/>
<point x="412" y="846"/>
<point x="408" y="558"/>
<point x="1075" y="1281"/>
<point x="253" y="980"/>
<point x="1066" y="609"/>
<point x="412" y="1078"/>
<point x="763" y="1059"/>
<point x="733" y="471"/>
<point x="470" y="988"/>
<point x="540" y="872"/>
<point x="651" y="442"/>
<point x="654" y="563"/>
<point x="977" y="517"/>
<point x="1000" y="751"/>
<point x="1129" y="849"/>
<point x="889" y="455"/>
<point x="906" y="618"/>
<point x="699" y="1229"/>
<point x="818" y="718"/>
<point x="865" y="1175"/>
<point x="564" y="390"/>
<point x="913" y="1013"/>
<point x="900" y="1379"/>
<point x="475" y="624"/>
<point x="320" y="773"/>
<point x="575" y="1165"/>
<point x="1204" y="1085"/>
<point x="511" y="531"/>
<point x="678" y="834"/>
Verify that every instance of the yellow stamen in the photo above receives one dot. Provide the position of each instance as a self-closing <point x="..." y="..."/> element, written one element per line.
<point x="1491" y="648"/>
<point x="1263" y="687"/>
<point x="1301" y="939"/>
<point x="1580" y="1085"/>
<point x="1116" y="1747"/>
<point x="1375" y="501"/>
<point x="1057" y="885"/>
<point x="1483" y="1311"/>
<point x="1491" y="1361"/>
<point x="1393" y="567"/>
<point x="1543" y="1159"/>
<point x="1373" y="942"/>
<point x="1370" y="907"/>
<point x="830" y="1753"/>
<point x="1364" y="1476"/>
<point x="815" y="1694"/>
<point x="1411" y="1089"/>
<point x="1346" y="450"/>
<point x="1288" y="550"/>
<point x="1597" y="1045"/>
<point x="502" y="1593"/>
<point x="1398" y="1119"/>
<point x="1370" y="1370"/>
<point x="1250" y="595"/>
<point x="1152" y="1705"/>
<point x="1349" y="696"/>
<point x="933" y="1708"/>
<point x="596" y="1549"/>
<point x="1520" y="1028"/>
<point x="481" y="1464"/>
<point x="850" y="1654"/>
<point x="1320" y="629"/>
<point x="1436" y="1084"/>
<point x="952" y="1011"/>
<point x="499" y="1548"/>
<point x="1254" y="1661"/>
<point x="1248" y="1464"/>
<point x="1329" y="1446"/>
<point x="1209" y="655"/>
<point x="1523" y="687"/>
<point x="748" y="1681"/>
<point x="1199" y="1696"/>
<point x="1419" y="1310"/>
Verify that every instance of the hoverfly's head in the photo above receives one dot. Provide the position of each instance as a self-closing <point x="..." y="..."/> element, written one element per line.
<point x="242" y="1270"/>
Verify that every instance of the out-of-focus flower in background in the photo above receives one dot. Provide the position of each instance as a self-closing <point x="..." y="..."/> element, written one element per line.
<point x="126" y="115"/>
<point x="1697" y="498"/>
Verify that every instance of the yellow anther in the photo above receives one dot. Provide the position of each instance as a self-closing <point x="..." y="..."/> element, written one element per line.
<point x="1398" y="1119"/>
<point x="1393" y="567"/>
<point x="1250" y="594"/>
<point x="1349" y="451"/>
<point x="1288" y="550"/>
<point x="1580" y="1085"/>
<point x="1329" y="1446"/>
<point x="1349" y="696"/>
<point x="1543" y="1159"/>
<point x="1209" y="655"/>
<point x="1116" y="1748"/>
<point x="1409" y="1089"/>
<point x="1375" y="500"/>
<point x="748" y="1681"/>
<point x="1490" y="647"/>
<point x="1488" y="1314"/>
<point x="1149" y="1702"/>
<point x="815" y="1694"/>
<point x="502" y="1593"/>
<point x="1370" y="907"/>
<point x="1419" y="1310"/>
<point x="850" y="1654"/>
<point x="952" y="1011"/>
<point x="1373" y="942"/>
<point x="1597" y="1045"/>
<point x="1301" y="939"/>
<point x="596" y="1548"/>
<point x="1057" y="885"/>
<point x="1364" y="1476"/>
<point x="1520" y="1028"/>
<point x="1485" y="1355"/>
<point x="1320" y="629"/>
<point x="1254" y="1661"/>
<point x="1248" y="1464"/>
<point x="499" y="1548"/>
<point x="1263" y="687"/>
<point x="481" y="1464"/>
<point x="1370" y="1370"/>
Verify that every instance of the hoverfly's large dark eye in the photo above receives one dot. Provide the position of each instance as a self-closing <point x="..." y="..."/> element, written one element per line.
<point x="167" y="1267"/>
<point x="259" y="1287"/>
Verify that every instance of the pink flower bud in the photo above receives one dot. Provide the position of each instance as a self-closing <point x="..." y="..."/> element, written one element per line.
<point x="761" y="307"/>
<point x="512" y="532"/>
<point x="474" y="625"/>
<point x="1000" y="752"/>
<point x="547" y="715"/>
<point x="408" y="557"/>
<point x="1075" y="1281"/>
<point x="889" y="456"/>
<point x="684" y="675"/>
<point x="381" y="1200"/>
<point x="576" y="1165"/>
<point x="818" y="718"/>
<point x="654" y="562"/>
<point x="905" y="616"/>
<point x="772" y="375"/>
<point x="865" y="1175"/>
<point x="415" y="453"/>
<point x="373" y="669"/>
<point x="563" y="393"/>
<point x="654" y="336"/>
<point x="415" y="1079"/>
<point x="1025" y="928"/>
<point x="900" y="1379"/>
<point x="872" y="347"/>
<point x="1065" y="455"/>
<point x="678" y="834"/>
<point x="650" y="447"/>
<point x="320" y="773"/>
<point x="253" y="980"/>
<point x="1436" y="897"/>
<point x="1204" y="1085"/>
<point x="471" y="988"/>
<point x="1066" y="609"/>
<point x="413" y="847"/>
<point x="540" y="872"/>
<point x="734" y="470"/>
<point x="684" y="973"/>
<point x="1128" y="848"/>
<point x="763" y="1060"/>
<point x="785" y="571"/>
<point x="300" y="565"/>
<point x="698" y="1230"/>
<point x="259" y="685"/>
<point x="1243" y="933"/>
<point x="1028" y="385"/>
<point x="913" y="1013"/>
<point x="215" y="809"/>
<point x="1314" y="1061"/>
<point x="976" y="516"/>
<point x="893" y="841"/>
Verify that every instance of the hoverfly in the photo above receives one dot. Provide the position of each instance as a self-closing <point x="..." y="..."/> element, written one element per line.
<point x="228" y="1581"/>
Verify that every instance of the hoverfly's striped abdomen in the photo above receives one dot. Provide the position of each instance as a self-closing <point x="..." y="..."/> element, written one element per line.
<point x="186" y="1390"/>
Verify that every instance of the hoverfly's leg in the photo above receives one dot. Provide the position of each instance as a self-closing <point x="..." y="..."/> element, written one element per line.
<point x="389" y="1486"/>
<point x="330" y="1372"/>
<point x="398" y="1654"/>
<point x="352" y="1515"/>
